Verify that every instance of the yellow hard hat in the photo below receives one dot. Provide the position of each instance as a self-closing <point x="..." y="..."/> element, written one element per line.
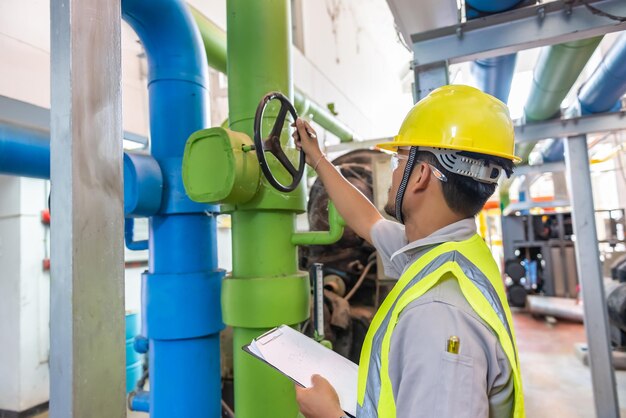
<point x="460" y="118"/>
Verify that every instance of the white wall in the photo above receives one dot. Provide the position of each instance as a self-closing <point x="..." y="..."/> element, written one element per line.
<point x="25" y="63"/>
<point x="24" y="295"/>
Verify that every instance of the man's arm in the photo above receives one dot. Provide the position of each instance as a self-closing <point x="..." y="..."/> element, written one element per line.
<point x="359" y="213"/>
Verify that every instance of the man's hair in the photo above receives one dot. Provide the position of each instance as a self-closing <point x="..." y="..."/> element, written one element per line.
<point x="464" y="195"/>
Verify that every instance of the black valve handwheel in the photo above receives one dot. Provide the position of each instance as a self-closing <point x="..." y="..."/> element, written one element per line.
<point x="272" y="144"/>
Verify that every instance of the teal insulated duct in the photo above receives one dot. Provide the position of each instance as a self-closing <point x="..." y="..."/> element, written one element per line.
<point x="600" y="93"/>
<point x="557" y="69"/>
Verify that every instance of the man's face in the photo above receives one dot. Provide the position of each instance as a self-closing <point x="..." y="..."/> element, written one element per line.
<point x="396" y="178"/>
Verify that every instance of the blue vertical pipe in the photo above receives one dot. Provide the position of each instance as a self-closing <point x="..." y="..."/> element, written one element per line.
<point x="607" y="84"/>
<point x="181" y="290"/>
<point x="24" y="152"/>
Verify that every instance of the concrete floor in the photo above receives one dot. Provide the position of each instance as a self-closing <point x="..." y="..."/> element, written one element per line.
<point x="556" y="383"/>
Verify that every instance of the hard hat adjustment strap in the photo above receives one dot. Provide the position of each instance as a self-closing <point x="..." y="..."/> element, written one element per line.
<point x="455" y="162"/>
<point x="405" y="180"/>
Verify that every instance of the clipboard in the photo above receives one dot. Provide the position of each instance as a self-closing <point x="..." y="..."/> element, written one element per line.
<point x="299" y="357"/>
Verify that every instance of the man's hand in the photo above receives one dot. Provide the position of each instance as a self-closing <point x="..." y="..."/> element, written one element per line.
<point x="319" y="401"/>
<point x="306" y="138"/>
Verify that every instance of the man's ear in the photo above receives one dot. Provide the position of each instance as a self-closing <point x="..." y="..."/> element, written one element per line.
<point x="419" y="178"/>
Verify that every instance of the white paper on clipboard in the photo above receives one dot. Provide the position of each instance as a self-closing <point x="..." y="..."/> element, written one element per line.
<point x="300" y="357"/>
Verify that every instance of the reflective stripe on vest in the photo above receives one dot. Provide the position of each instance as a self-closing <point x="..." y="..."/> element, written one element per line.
<point x="471" y="264"/>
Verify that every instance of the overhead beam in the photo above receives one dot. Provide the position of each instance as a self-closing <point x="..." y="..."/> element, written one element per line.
<point x="540" y="168"/>
<point x="555" y="128"/>
<point x="528" y="27"/>
<point x="560" y="128"/>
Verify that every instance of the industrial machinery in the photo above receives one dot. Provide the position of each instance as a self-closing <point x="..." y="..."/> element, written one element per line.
<point x="539" y="256"/>
<point x="353" y="281"/>
<point x="539" y="252"/>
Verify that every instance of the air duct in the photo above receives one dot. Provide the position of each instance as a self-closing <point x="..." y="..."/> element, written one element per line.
<point x="557" y="69"/>
<point x="494" y="75"/>
<point x="600" y="93"/>
<point x="607" y="84"/>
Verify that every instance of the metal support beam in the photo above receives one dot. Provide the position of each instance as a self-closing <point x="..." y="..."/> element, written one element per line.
<point x="428" y="78"/>
<point x="590" y="273"/>
<point x="87" y="286"/>
<point x="555" y="128"/>
<point x="521" y="170"/>
<point x="560" y="128"/>
<point x="504" y="33"/>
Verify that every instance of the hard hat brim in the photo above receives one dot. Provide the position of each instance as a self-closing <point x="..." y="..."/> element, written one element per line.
<point x="394" y="145"/>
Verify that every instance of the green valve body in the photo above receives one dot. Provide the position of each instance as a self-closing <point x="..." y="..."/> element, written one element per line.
<point x="218" y="167"/>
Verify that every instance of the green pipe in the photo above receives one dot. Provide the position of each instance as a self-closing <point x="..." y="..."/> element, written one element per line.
<point x="334" y="233"/>
<point x="266" y="289"/>
<point x="557" y="69"/>
<point x="322" y="117"/>
<point x="214" y="40"/>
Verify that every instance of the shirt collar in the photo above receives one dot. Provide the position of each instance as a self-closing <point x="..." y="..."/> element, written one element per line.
<point x="457" y="231"/>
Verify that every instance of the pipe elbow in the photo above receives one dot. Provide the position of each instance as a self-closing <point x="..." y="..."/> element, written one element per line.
<point x="171" y="38"/>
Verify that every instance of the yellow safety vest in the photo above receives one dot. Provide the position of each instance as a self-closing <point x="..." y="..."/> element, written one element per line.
<point x="473" y="266"/>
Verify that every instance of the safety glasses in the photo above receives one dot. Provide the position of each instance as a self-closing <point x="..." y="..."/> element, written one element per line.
<point x="395" y="162"/>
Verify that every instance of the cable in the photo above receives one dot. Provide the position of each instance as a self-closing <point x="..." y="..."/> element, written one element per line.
<point x="602" y="13"/>
<point x="227" y="409"/>
<point x="360" y="281"/>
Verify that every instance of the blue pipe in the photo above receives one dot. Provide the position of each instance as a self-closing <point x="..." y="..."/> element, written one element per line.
<point x="24" y="152"/>
<point x="492" y="6"/>
<point x="601" y="92"/>
<point x="139" y="401"/>
<point x="129" y="239"/>
<point x="181" y="290"/>
<point x="488" y="6"/>
<point x="494" y="75"/>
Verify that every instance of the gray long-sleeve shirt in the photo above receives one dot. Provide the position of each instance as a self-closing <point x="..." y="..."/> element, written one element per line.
<point x="426" y="380"/>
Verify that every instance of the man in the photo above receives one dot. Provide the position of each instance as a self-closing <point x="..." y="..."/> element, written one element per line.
<point x="442" y="343"/>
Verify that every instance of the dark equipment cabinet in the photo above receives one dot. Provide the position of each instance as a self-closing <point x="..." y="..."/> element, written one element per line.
<point x="539" y="255"/>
